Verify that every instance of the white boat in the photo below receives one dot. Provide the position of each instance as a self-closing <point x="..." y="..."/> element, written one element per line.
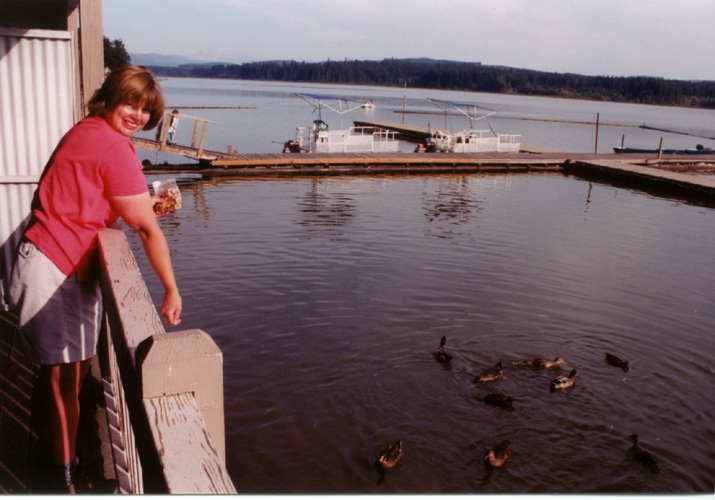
<point x="319" y="138"/>
<point x="368" y="105"/>
<point x="471" y="140"/>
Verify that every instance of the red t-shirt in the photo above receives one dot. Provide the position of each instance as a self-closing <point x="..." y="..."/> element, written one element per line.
<point x="71" y="205"/>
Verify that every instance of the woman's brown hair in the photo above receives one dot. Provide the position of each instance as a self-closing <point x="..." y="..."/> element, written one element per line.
<point x="129" y="84"/>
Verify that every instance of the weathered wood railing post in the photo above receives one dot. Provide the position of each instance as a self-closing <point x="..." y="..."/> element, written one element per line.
<point x="186" y="362"/>
<point x="164" y="391"/>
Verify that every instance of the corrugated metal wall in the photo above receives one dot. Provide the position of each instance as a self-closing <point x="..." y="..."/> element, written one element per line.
<point x="37" y="102"/>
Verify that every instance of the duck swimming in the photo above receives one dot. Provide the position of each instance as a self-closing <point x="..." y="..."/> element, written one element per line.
<point x="616" y="361"/>
<point x="392" y="454"/>
<point x="564" y="382"/>
<point x="540" y="363"/>
<point x="441" y="353"/>
<point x="498" y="455"/>
<point x="500" y="400"/>
<point x="638" y="454"/>
<point x="491" y="374"/>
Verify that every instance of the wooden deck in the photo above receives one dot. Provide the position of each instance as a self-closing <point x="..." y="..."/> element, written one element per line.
<point x="17" y="442"/>
<point x="21" y="466"/>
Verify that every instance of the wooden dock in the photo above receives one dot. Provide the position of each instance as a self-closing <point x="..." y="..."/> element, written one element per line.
<point x="675" y="172"/>
<point x="188" y="151"/>
<point x="17" y="442"/>
<point x="195" y="150"/>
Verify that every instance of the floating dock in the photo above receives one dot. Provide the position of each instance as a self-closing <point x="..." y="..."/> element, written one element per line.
<point x="684" y="175"/>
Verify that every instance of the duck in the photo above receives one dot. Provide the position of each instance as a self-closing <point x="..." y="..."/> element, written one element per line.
<point x="564" y="382"/>
<point x="616" y="361"/>
<point x="500" y="400"/>
<point x="392" y="454"/>
<point x="441" y="353"/>
<point x="491" y="374"/>
<point x="496" y="456"/>
<point x="638" y="454"/>
<point x="540" y="363"/>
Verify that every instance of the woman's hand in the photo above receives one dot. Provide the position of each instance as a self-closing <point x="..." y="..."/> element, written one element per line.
<point x="171" y="307"/>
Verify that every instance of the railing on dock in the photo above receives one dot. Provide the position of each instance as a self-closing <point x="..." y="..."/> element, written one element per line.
<point x="162" y="133"/>
<point x="164" y="391"/>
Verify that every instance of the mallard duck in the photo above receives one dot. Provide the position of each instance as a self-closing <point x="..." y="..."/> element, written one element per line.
<point x="540" y="363"/>
<point x="616" y="361"/>
<point x="564" y="382"/>
<point x="441" y="353"/>
<point x="500" y="400"/>
<point x="490" y="374"/>
<point x="392" y="454"/>
<point x="498" y="455"/>
<point x="638" y="454"/>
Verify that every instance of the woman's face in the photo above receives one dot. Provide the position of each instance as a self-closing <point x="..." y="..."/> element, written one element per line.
<point x="127" y="119"/>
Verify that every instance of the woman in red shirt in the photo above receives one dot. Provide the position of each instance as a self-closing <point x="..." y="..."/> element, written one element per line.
<point x="93" y="178"/>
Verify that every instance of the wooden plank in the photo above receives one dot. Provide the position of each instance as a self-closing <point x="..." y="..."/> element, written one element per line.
<point x="124" y="291"/>
<point x="184" y="445"/>
<point x="665" y="177"/>
<point x="195" y="134"/>
<point x="203" y="138"/>
<point x="91" y="47"/>
<point x="183" y="362"/>
<point x="16" y="438"/>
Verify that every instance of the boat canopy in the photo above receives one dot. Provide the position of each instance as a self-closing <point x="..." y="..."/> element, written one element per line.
<point x="470" y="110"/>
<point x="319" y="102"/>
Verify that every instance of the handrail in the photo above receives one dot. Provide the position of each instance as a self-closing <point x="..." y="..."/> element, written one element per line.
<point x="164" y="391"/>
<point x="162" y="132"/>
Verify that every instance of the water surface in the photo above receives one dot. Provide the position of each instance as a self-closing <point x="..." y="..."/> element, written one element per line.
<point x="327" y="296"/>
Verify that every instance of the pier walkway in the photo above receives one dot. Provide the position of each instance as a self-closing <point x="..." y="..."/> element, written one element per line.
<point x="678" y="172"/>
<point x="189" y="151"/>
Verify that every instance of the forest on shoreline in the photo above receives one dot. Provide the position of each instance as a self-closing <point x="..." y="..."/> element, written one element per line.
<point x="475" y="77"/>
<point x="447" y="75"/>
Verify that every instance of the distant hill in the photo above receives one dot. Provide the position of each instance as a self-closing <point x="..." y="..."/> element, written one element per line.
<point x="169" y="61"/>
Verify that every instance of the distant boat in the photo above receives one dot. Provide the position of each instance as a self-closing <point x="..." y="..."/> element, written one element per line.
<point x="319" y="138"/>
<point x="368" y="105"/>
<point x="470" y="140"/>
<point x="698" y="150"/>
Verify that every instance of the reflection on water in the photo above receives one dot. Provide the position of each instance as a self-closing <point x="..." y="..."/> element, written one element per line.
<point x="452" y="202"/>
<point x="327" y="297"/>
<point x="321" y="207"/>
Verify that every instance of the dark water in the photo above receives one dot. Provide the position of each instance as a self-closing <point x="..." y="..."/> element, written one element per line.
<point x="327" y="296"/>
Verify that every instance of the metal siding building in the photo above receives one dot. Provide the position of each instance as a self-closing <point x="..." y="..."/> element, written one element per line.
<point x="37" y="107"/>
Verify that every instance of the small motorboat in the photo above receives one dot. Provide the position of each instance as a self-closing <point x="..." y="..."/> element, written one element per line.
<point x="697" y="150"/>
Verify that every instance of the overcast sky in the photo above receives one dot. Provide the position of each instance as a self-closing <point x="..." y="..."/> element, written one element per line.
<point x="665" y="38"/>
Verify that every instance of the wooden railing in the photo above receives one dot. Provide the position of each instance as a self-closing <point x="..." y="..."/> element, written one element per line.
<point x="162" y="131"/>
<point x="164" y="391"/>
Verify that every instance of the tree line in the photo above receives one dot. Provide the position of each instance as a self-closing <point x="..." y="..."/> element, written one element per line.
<point x="452" y="75"/>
